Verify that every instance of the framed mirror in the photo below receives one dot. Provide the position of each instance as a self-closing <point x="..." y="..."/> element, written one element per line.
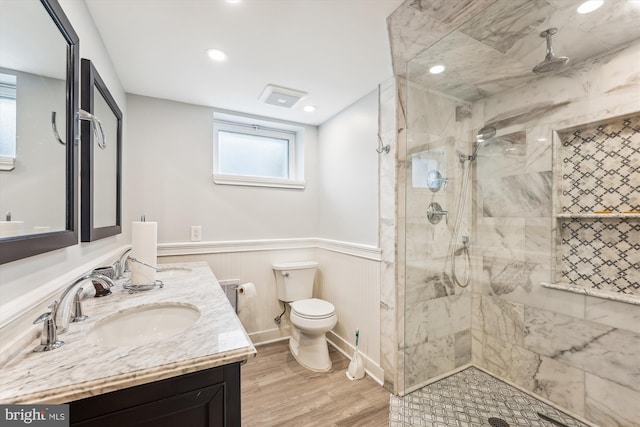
<point x="101" y="158"/>
<point x="39" y="66"/>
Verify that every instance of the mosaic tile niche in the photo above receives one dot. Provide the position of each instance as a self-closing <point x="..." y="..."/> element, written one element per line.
<point x="598" y="207"/>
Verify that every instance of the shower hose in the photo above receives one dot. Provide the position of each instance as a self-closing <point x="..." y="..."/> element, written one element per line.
<point x="462" y="201"/>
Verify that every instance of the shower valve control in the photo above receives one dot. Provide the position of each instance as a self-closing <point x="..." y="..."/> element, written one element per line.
<point x="435" y="213"/>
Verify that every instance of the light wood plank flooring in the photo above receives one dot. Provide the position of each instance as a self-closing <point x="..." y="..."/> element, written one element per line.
<point x="277" y="391"/>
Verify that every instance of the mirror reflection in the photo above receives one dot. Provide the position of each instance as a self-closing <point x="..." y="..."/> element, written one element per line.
<point x="33" y="70"/>
<point x="101" y="157"/>
<point x="105" y="162"/>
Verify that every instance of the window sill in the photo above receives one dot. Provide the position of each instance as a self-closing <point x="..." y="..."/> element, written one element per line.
<point x="254" y="181"/>
<point x="7" y="163"/>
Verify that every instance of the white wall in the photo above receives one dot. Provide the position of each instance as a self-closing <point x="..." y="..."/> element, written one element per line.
<point x="20" y="277"/>
<point x="348" y="173"/>
<point x="247" y="229"/>
<point x="170" y="180"/>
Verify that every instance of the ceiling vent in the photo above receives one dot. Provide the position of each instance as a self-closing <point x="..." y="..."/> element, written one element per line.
<point x="281" y="96"/>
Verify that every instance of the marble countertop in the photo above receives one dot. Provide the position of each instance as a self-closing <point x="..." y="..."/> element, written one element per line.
<point x="81" y="369"/>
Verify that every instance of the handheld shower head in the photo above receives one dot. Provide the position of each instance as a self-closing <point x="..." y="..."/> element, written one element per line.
<point x="551" y="61"/>
<point x="485" y="133"/>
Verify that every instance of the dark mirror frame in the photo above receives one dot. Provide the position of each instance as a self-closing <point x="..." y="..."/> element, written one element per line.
<point x="91" y="81"/>
<point x="18" y="247"/>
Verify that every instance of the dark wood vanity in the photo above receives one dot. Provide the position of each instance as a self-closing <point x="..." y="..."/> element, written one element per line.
<point x="207" y="398"/>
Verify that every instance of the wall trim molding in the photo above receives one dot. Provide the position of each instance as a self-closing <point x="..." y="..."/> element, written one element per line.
<point x="214" y="247"/>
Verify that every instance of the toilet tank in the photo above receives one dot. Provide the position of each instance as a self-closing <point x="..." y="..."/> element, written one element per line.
<point x="294" y="280"/>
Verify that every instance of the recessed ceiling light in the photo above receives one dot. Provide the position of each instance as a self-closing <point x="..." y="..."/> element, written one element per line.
<point x="589" y="6"/>
<point x="217" y="55"/>
<point x="309" y="108"/>
<point x="436" y="69"/>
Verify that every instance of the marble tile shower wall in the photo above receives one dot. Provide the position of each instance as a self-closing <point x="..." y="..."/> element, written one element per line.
<point x="391" y="118"/>
<point x="437" y="323"/>
<point x="578" y="351"/>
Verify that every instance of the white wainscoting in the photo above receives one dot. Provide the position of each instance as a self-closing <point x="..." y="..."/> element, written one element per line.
<point x="349" y="277"/>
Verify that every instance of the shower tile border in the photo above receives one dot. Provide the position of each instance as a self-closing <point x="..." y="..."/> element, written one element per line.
<point x="619" y="297"/>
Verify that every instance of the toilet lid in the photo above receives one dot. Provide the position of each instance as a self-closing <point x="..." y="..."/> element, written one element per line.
<point x="313" y="308"/>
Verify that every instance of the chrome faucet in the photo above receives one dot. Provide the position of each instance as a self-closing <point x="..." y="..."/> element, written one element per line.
<point x="57" y="321"/>
<point x="61" y="311"/>
<point x="120" y="265"/>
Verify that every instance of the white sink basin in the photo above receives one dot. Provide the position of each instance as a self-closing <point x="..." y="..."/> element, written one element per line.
<point x="143" y="324"/>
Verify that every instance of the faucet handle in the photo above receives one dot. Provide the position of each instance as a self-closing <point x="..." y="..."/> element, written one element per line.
<point x="78" y="316"/>
<point x="435" y="213"/>
<point x="49" y="336"/>
<point x="47" y="315"/>
<point x="42" y="318"/>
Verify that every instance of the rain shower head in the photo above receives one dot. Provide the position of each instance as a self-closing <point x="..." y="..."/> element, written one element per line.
<point x="551" y="61"/>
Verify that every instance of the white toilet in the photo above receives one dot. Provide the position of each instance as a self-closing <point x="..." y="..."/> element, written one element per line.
<point x="311" y="318"/>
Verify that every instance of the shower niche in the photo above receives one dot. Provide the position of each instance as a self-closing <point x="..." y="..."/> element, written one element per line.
<point x="597" y="209"/>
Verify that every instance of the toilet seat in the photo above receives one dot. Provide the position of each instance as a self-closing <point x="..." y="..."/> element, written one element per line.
<point x="313" y="309"/>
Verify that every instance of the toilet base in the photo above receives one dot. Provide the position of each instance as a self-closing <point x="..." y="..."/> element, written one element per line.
<point x="311" y="352"/>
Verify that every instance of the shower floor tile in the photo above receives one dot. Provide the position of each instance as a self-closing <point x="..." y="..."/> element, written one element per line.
<point x="471" y="398"/>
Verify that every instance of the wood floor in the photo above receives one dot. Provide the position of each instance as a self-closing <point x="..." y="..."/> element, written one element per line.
<point x="277" y="391"/>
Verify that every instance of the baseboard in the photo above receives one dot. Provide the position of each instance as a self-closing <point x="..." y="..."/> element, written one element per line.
<point x="372" y="369"/>
<point x="270" y="335"/>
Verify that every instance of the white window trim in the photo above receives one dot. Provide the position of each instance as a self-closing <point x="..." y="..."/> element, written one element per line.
<point x="293" y="182"/>
<point x="7" y="163"/>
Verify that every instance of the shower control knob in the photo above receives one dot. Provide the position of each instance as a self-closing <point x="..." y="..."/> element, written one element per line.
<point x="435" y="213"/>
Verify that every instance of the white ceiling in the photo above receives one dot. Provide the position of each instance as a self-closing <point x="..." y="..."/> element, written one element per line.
<point x="335" y="50"/>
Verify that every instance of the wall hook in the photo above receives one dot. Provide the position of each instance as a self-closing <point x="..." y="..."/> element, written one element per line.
<point x="381" y="147"/>
<point x="54" y="127"/>
<point x="98" y="130"/>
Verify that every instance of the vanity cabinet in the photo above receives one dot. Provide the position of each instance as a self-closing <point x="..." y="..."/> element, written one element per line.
<point x="207" y="398"/>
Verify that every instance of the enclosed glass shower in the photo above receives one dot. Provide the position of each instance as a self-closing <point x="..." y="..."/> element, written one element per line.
<point x="438" y="234"/>
<point x="482" y="227"/>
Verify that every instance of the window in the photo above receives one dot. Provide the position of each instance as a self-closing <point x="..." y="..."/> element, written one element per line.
<point x="7" y="121"/>
<point x="255" y="155"/>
